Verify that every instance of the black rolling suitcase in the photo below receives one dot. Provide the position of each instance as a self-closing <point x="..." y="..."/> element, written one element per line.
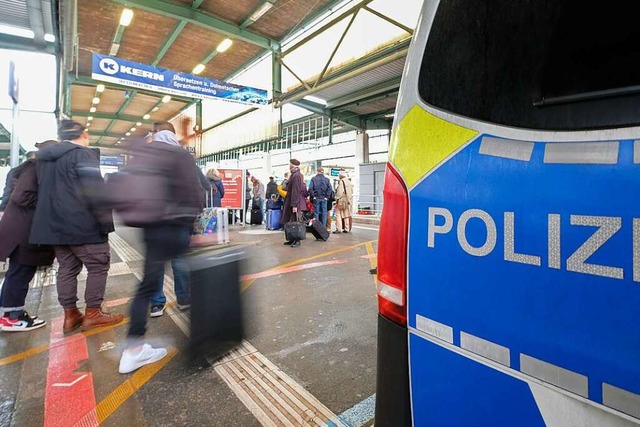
<point x="318" y="230"/>
<point x="216" y="309"/>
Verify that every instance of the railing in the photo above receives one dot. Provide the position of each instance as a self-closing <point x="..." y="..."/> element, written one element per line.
<point x="368" y="204"/>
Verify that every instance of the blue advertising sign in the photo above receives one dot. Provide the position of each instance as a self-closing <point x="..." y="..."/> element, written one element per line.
<point x="112" y="160"/>
<point x="142" y="76"/>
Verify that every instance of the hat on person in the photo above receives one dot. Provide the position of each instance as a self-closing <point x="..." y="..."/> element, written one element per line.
<point x="45" y="143"/>
<point x="295" y="162"/>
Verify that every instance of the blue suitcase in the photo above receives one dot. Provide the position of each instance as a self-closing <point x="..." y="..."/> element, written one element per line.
<point x="273" y="219"/>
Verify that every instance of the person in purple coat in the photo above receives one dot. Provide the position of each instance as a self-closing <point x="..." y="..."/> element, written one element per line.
<point x="295" y="203"/>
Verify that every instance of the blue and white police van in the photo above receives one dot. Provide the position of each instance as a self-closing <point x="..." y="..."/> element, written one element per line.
<point x="509" y="251"/>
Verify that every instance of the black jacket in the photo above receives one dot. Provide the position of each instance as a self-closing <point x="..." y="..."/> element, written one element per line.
<point x="70" y="210"/>
<point x="8" y="188"/>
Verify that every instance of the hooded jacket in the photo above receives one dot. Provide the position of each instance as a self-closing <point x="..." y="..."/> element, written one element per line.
<point x="70" y="210"/>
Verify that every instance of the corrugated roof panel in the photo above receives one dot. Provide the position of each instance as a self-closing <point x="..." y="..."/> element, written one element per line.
<point x="365" y="80"/>
<point x="14" y="13"/>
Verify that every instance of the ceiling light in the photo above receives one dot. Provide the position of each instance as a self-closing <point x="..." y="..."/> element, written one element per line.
<point x="260" y="11"/>
<point x="96" y="100"/>
<point x="92" y="109"/>
<point x="115" y="47"/>
<point x="198" y="69"/>
<point x="166" y="98"/>
<point x="128" y="133"/>
<point x="50" y="38"/>
<point x="89" y="118"/>
<point x="15" y="31"/>
<point x="146" y="116"/>
<point x="126" y="17"/>
<point x="133" y="129"/>
<point x="155" y="109"/>
<point x="88" y="124"/>
<point x="139" y="124"/>
<point x="225" y="44"/>
<point x="100" y="88"/>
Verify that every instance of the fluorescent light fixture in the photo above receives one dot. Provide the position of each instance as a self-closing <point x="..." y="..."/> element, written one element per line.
<point x="155" y="109"/>
<point x="139" y="124"/>
<point x="92" y="109"/>
<point x="88" y="124"/>
<point x="225" y="44"/>
<point x="100" y="88"/>
<point x="115" y="47"/>
<point x="89" y="118"/>
<point x="198" y="69"/>
<point x="16" y="31"/>
<point x="50" y="38"/>
<point x="260" y="11"/>
<point x="96" y="101"/>
<point x="128" y="133"/>
<point x="133" y="129"/>
<point x="126" y="17"/>
<point x="316" y="100"/>
<point x="146" y="116"/>
<point x="166" y="98"/>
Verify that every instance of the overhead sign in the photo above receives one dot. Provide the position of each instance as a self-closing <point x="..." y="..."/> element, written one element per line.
<point x="142" y="76"/>
<point x="335" y="172"/>
<point x="234" y="182"/>
<point x="111" y="160"/>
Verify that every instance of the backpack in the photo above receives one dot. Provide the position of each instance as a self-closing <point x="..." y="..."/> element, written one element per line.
<point x="139" y="194"/>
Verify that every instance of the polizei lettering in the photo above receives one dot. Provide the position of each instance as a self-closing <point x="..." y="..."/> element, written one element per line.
<point x="441" y="222"/>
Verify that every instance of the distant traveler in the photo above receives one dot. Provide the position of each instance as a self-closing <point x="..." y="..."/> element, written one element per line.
<point x="217" y="188"/>
<point x="247" y="195"/>
<point x="11" y="183"/>
<point x="71" y="218"/>
<point x="164" y="240"/>
<point x="272" y="188"/>
<point x="296" y="201"/>
<point x="321" y="192"/>
<point x="344" y="195"/>
<point x="258" y="191"/>
<point x="24" y="259"/>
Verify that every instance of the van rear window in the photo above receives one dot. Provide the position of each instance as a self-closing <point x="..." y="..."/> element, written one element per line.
<point x="538" y="64"/>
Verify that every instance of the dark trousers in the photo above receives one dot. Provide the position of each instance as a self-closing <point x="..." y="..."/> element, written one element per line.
<point x="16" y="284"/>
<point x="97" y="259"/>
<point x="162" y="243"/>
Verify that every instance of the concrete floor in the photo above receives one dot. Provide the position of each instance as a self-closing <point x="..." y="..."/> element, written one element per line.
<point x="310" y="355"/>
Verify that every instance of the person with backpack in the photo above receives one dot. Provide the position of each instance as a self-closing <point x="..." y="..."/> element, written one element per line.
<point x="71" y="217"/>
<point x="24" y="259"/>
<point x="217" y="188"/>
<point x="320" y="192"/>
<point x="166" y="235"/>
<point x="272" y="188"/>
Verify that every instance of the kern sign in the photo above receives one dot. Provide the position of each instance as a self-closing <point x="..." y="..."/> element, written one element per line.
<point x="142" y="76"/>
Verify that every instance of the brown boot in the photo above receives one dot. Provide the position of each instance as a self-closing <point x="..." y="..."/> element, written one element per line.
<point x="72" y="320"/>
<point x="94" y="317"/>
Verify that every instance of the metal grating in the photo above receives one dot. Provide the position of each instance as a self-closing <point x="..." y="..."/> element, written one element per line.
<point x="14" y="13"/>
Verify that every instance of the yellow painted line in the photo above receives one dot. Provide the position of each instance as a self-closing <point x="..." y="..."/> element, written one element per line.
<point x="249" y="283"/>
<point x="124" y="391"/>
<point x="373" y="261"/>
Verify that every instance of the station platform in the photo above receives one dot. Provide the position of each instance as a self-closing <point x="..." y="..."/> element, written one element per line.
<point x="309" y="358"/>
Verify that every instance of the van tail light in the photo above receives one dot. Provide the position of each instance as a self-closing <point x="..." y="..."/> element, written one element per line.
<point x="392" y="249"/>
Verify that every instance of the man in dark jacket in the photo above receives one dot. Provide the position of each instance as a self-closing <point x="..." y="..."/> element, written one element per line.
<point x="70" y="218"/>
<point x="24" y="259"/>
<point x="296" y="201"/>
<point x="164" y="240"/>
<point x="320" y="191"/>
<point x="272" y="188"/>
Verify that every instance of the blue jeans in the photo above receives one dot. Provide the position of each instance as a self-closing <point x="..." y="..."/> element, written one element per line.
<point x="320" y="210"/>
<point x="180" y="284"/>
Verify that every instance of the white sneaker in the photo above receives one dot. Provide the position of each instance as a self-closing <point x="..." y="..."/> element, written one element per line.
<point x="132" y="361"/>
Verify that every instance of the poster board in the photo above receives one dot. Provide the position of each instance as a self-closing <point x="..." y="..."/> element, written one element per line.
<point x="234" y="182"/>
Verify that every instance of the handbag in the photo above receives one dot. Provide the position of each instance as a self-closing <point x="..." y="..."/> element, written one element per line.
<point x="295" y="231"/>
<point x="343" y="201"/>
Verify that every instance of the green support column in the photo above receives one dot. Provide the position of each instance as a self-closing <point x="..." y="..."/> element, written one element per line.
<point x="199" y="125"/>
<point x="276" y="84"/>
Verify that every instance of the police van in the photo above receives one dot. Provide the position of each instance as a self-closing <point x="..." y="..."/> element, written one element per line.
<point x="509" y="251"/>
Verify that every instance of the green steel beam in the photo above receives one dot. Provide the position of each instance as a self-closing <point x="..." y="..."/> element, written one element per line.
<point x="384" y="88"/>
<point x="124" y="105"/>
<point x="345" y="117"/>
<point x="169" y="42"/>
<point x="189" y="15"/>
<point x="20" y="43"/>
<point x="248" y="21"/>
<point x="122" y="117"/>
<point x="196" y="4"/>
<point x="104" y="135"/>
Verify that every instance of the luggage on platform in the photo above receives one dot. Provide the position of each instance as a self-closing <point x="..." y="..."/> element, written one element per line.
<point x="318" y="230"/>
<point x="213" y="221"/>
<point x="274" y="204"/>
<point x="295" y="231"/>
<point x="216" y="307"/>
<point x="256" y="216"/>
<point x="274" y="216"/>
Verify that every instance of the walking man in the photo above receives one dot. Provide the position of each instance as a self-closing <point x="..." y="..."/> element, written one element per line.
<point x="70" y="218"/>
<point x="321" y="192"/>
<point x="295" y="202"/>
<point x="344" y="195"/>
<point x="166" y="239"/>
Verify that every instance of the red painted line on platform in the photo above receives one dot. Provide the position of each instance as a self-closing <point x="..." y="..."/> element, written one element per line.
<point x="69" y="395"/>
<point x="116" y="302"/>
<point x="277" y="271"/>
